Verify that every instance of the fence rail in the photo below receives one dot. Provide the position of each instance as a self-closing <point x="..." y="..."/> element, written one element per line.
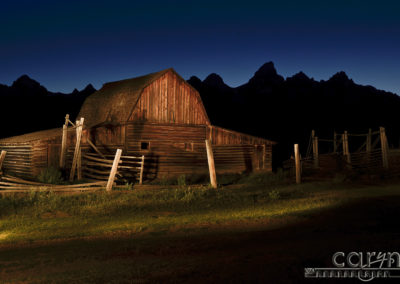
<point x="10" y="184"/>
<point x="96" y="167"/>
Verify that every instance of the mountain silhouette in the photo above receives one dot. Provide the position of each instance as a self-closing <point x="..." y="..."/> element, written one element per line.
<point x="286" y="110"/>
<point x="34" y="108"/>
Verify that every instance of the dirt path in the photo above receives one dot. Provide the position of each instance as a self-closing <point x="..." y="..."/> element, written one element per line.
<point x="264" y="256"/>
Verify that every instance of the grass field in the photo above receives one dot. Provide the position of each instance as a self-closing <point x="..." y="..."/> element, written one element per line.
<point x="179" y="233"/>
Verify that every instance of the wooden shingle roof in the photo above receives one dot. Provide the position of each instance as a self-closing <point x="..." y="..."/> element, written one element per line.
<point x="115" y="101"/>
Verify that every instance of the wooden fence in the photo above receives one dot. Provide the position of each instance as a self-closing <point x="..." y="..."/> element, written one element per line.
<point x="98" y="168"/>
<point x="373" y="155"/>
<point x="9" y="184"/>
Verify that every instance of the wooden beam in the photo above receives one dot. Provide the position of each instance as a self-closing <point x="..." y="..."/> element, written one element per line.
<point x="64" y="142"/>
<point x="113" y="170"/>
<point x="79" y="165"/>
<point x="297" y="162"/>
<point x="211" y="165"/>
<point x="95" y="148"/>
<point x="79" y="125"/>
<point x="315" y="152"/>
<point x="141" y="171"/>
<point x="346" y="151"/>
<point x="361" y="147"/>
<point x="384" y="147"/>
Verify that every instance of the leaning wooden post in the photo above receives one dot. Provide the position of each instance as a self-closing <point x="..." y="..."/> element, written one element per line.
<point x="113" y="170"/>
<point x="315" y="152"/>
<point x="2" y="157"/>
<point x="79" y="160"/>
<point x="384" y="147"/>
<point x="79" y="125"/>
<point x="211" y="165"/>
<point x="79" y="164"/>
<point x="141" y="171"/>
<point x="64" y="142"/>
<point x="297" y="162"/>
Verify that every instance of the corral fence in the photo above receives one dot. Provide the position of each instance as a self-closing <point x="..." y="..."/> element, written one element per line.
<point x="98" y="168"/>
<point x="364" y="153"/>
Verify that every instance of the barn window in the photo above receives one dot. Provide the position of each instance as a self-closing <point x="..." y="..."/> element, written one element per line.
<point x="145" y="146"/>
<point x="189" y="147"/>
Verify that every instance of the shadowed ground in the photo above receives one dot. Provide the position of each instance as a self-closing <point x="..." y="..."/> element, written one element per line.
<point x="259" y="255"/>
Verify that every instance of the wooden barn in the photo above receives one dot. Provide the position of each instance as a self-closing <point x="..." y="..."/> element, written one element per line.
<point x="159" y="116"/>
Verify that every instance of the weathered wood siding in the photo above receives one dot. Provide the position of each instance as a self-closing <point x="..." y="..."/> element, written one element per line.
<point x="175" y="149"/>
<point x="257" y="155"/>
<point x="18" y="159"/>
<point x="25" y="160"/>
<point x="222" y="136"/>
<point x="170" y="99"/>
<point x="28" y="159"/>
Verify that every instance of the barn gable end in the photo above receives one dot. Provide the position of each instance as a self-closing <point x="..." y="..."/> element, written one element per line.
<point x="170" y="99"/>
<point x="162" y="97"/>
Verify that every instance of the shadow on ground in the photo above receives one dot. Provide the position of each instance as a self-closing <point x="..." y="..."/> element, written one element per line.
<point x="264" y="256"/>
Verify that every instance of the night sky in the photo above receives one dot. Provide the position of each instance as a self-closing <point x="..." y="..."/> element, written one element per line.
<point x="68" y="44"/>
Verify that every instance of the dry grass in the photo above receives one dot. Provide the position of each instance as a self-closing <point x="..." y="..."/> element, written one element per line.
<point x="132" y="235"/>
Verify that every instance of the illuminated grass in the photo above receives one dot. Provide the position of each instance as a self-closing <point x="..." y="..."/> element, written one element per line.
<point x="42" y="216"/>
<point x="149" y="236"/>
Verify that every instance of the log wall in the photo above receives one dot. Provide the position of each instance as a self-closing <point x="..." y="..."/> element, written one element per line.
<point x="169" y="149"/>
<point x="174" y="149"/>
<point x="28" y="159"/>
<point x="18" y="159"/>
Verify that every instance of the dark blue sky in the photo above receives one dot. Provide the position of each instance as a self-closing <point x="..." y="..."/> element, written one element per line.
<point x="68" y="44"/>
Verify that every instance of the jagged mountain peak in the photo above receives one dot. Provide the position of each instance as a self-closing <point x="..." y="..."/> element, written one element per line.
<point x="340" y="77"/>
<point x="266" y="69"/>
<point x="214" y="80"/>
<point x="300" y="76"/>
<point x="266" y="74"/>
<point x="26" y="81"/>
<point x="89" y="88"/>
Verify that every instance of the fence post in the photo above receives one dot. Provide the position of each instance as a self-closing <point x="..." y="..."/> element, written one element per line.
<point x="113" y="170"/>
<point x="79" y="164"/>
<point x="384" y="147"/>
<point x="297" y="162"/>
<point x="64" y="142"/>
<point x="211" y="165"/>
<point x="141" y="171"/>
<point x="346" y="151"/>
<point x="2" y="157"/>
<point x="79" y="125"/>
<point x="315" y="152"/>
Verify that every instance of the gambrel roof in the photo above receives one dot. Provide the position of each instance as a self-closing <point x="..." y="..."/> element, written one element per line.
<point x="115" y="101"/>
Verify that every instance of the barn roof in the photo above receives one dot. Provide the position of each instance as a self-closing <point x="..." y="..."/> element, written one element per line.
<point x="115" y="101"/>
<point x="29" y="137"/>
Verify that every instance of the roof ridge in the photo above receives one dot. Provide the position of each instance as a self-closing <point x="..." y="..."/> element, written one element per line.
<point x="112" y="102"/>
<point x="158" y="73"/>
